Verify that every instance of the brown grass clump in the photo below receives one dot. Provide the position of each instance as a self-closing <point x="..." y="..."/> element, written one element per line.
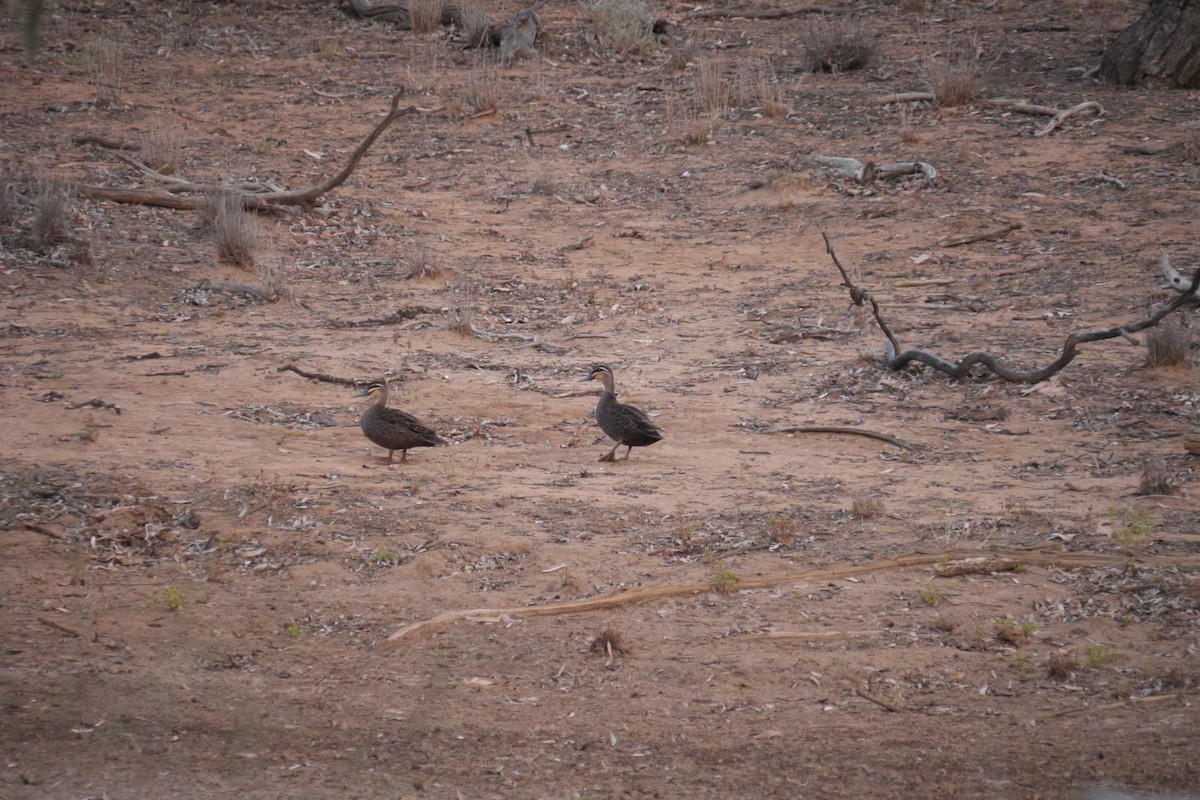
<point x="421" y="260"/>
<point x="837" y="45"/>
<point x="1157" y="478"/>
<point x="712" y="92"/>
<point x="162" y="149"/>
<point x="622" y="27"/>
<point x="51" y="222"/>
<point x="610" y="642"/>
<point x="104" y="61"/>
<point x="9" y="206"/>
<point x="476" y="25"/>
<point x="956" y="78"/>
<point x="912" y="6"/>
<point x="768" y="92"/>
<point x="1062" y="665"/>
<point x="1169" y="344"/>
<point x="231" y="228"/>
<point x="483" y="92"/>
<point x="424" y="16"/>
<point x="685" y="125"/>
<point x="866" y="507"/>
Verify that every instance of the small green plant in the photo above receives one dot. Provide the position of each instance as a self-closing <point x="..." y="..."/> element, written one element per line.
<point x="90" y="432"/>
<point x="387" y="556"/>
<point x="293" y="629"/>
<point x="1010" y="632"/>
<point x="722" y="578"/>
<point x="1131" y="527"/>
<point x="171" y="597"/>
<point x="1020" y="661"/>
<point x="783" y="528"/>
<point x="1097" y="655"/>
<point x="932" y="596"/>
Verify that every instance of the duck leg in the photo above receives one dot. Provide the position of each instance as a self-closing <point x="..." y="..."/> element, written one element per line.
<point x="627" y="452"/>
<point x="612" y="454"/>
<point x="390" y="456"/>
<point x="403" y="456"/>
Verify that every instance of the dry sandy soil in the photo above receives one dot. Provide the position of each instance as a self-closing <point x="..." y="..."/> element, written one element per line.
<point x="199" y="589"/>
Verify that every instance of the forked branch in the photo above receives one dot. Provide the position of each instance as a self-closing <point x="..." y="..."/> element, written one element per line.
<point x="897" y="359"/>
<point x="181" y="194"/>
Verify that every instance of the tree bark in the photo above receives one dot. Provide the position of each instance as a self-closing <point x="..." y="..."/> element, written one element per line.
<point x="1164" y="43"/>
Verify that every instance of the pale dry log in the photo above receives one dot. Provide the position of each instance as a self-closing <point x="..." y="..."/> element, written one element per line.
<point x="869" y="172"/>
<point x="1063" y="116"/>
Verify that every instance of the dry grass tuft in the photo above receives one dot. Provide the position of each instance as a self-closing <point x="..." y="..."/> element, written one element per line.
<point x="484" y="93"/>
<point x="866" y="507"/>
<point x="104" y="61"/>
<point x="685" y="125"/>
<point x="1169" y="344"/>
<point x="622" y="26"/>
<point x="837" y="45"/>
<point x="421" y="260"/>
<point x="712" y="92"/>
<point x="9" y="204"/>
<point x="424" y="16"/>
<point x="232" y="229"/>
<point x="1157" y="478"/>
<point x="610" y="642"/>
<point x="476" y="25"/>
<point x="162" y="149"/>
<point x="956" y="78"/>
<point x="1062" y="665"/>
<point x="52" y="220"/>
<point x="768" y="92"/>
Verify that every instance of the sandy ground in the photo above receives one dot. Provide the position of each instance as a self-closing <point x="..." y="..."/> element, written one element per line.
<point x="201" y="571"/>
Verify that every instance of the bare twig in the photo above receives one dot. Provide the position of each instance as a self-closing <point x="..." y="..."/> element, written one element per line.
<point x="647" y="593"/>
<point x="762" y="13"/>
<point x="322" y="377"/>
<point x="991" y="234"/>
<point x="838" y="429"/>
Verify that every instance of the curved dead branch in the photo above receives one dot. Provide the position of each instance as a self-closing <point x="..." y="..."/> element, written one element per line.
<point x="182" y="194"/>
<point x="897" y="359"/>
<point x="626" y="598"/>
<point x="843" y="430"/>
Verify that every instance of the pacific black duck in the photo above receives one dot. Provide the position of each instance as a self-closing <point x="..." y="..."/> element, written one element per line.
<point x="392" y="428"/>
<point x="628" y="425"/>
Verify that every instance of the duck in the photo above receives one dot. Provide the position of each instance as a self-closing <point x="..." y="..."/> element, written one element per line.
<point x="392" y="428"/>
<point x="628" y="425"/>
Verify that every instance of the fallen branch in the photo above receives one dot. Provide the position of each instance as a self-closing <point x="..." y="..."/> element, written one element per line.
<point x="878" y="701"/>
<point x="1065" y="115"/>
<point x="645" y="594"/>
<point x="838" y="429"/>
<point x="806" y="636"/>
<point x="234" y="287"/>
<point x="322" y="377"/>
<point x="58" y="626"/>
<point x="1174" y="279"/>
<point x="988" y="235"/>
<point x="1059" y="115"/>
<point x="1152" y="698"/>
<point x="896" y="360"/>
<point x="168" y="196"/>
<point x="762" y="13"/>
<point x="94" y="403"/>
<point x="869" y="172"/>
<point x="111" y="144"/>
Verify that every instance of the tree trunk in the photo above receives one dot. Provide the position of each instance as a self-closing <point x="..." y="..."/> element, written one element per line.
<point x="1164" y="43"/>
